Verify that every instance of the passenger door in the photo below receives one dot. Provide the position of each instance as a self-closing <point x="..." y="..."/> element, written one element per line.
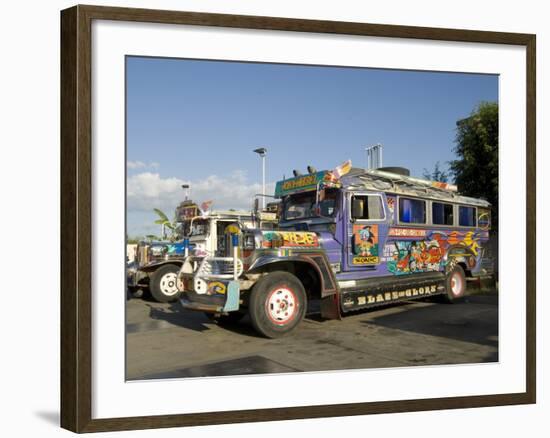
<point x="367" y="228"/>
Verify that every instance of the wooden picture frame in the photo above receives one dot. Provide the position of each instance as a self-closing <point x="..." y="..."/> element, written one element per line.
<point x="76" y="217"/>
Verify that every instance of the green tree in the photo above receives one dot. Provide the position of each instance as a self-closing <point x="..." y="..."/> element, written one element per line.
<point x="171" y="225"/>
<point x="132" y="239"/>
<point x="476" y="168"/>
<point x="437" y="174"/>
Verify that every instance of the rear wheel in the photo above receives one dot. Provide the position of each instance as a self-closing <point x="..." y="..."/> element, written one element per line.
<point x="455" y="284"/>
<point x="163" y="285"/>
<point x="277" y="304"/>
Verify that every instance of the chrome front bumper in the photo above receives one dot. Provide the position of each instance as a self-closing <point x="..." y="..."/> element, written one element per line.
<point x="208" y="284"/>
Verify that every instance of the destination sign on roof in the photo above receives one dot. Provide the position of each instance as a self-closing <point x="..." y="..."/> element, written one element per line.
<point x="298" y="184"/>
<point x="186" y="211"/>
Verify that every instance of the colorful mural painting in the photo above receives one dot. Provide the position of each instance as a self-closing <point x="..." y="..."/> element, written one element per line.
<point x="409" y="256"/>
<point x="276" y="239"/>
<point x="414" y="256"/>
<point x="175" y="248"/>
<point x="469" y="239"/>
<point x="365" y="245"/>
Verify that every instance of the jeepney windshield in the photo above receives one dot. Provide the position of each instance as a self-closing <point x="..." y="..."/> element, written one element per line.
<point x="196" y="227"/>
<point x="302" y="205"/>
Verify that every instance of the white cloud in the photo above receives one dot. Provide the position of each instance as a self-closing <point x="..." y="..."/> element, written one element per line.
<point x="148" y="190"/>
<point x="142" y="165"/>
<point x="135" y="164"/>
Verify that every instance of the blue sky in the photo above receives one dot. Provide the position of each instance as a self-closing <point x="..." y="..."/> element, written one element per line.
<point x="197" y="122"/>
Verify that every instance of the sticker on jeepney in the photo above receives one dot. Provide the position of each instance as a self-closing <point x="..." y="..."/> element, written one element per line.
<point x="406" y="232"/>
<point x="368" y="260"/>
<point x="365" y="241"/>
<point x="396" y="295"/>
<point x="216" y="287"/>
<point x="277" y="239"/>
<point x="484" y="220"/>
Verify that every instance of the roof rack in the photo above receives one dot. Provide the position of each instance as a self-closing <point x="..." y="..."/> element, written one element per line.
<point x="372" y="179"/>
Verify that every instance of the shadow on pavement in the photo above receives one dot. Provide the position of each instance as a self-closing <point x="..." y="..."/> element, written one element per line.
<point x="166" y="317"/>
<point x="175" y="315"/>
<point x="161" y="317"/>
<point x="233" y="367"/>
<point x="474" y="320"/>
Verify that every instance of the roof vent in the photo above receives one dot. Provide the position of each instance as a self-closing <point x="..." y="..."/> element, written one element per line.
<point x="396" y="169"/>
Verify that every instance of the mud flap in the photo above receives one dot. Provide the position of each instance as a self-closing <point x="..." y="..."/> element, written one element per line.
<point x="233" y="295"/>
<point x="330" y="308"/>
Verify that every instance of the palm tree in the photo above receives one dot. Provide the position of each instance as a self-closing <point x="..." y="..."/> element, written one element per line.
<point x="164" y="222"/>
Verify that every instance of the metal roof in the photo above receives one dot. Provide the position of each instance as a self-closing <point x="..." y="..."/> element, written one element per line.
<point x="225" y="214"/>
<point x="367" y="179"/>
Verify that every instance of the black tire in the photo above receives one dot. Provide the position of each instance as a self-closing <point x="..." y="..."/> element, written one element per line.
<point x="163" y="284"/>
<point x="277" y="289"/>
<point x="455" y="285"/>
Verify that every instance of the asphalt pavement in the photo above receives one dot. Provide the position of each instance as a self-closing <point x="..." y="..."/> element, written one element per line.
<point x="166" y="341"/>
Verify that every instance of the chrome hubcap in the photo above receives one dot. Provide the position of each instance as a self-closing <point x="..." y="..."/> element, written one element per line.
<point x="456" y="285"/>
<point x="168" y="284"/>
<point x="281" y="305"/>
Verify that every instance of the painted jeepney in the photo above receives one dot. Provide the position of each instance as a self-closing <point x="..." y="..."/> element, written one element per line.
<point x="198" y="232"/>
<point x="353" y="239"/>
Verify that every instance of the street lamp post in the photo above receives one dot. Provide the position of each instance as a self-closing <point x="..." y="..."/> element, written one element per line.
<point x="262" y="152"/>
<point x="187" y="187"/>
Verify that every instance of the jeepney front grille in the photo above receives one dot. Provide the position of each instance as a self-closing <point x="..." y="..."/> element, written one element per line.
<point x="143" y="255"/>
<point x="219" y="267"/>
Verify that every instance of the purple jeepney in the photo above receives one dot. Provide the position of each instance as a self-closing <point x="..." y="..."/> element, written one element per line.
<point x="351" y="238"/>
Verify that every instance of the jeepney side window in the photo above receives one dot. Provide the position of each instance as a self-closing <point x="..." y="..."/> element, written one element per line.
<point x="220" y="231"/>
<point x="466" y="216"/>
<point x="412" y="211"/>
<point x="367" y="207"/>
<point x="442" y="214"/>
<point x="199" y="228"/>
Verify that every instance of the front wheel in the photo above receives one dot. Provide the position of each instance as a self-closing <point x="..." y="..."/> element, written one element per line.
<point x="455" y="284"/>
<point x="277" y="304"/>
<point x="163" y="285"/>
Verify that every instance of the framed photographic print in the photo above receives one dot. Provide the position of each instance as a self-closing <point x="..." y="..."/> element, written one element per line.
<point x="269" y="218"/>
